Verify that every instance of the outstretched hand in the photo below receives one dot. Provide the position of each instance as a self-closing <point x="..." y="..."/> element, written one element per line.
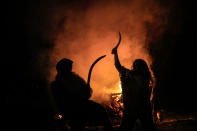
<point x="114" y="50"/>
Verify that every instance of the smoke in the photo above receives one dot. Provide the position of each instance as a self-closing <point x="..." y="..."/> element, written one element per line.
<point x="86" y="31"/>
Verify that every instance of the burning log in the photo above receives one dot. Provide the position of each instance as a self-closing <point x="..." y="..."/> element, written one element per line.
<point x="115" y="108"/>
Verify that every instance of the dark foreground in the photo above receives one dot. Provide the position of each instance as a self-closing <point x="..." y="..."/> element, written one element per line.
<point x="167" y="122"/>
<point x="180" y="125"/>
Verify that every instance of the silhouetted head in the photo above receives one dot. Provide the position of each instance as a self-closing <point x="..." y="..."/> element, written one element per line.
<point x="140" y="66"/>
<point x="64" y="65"/>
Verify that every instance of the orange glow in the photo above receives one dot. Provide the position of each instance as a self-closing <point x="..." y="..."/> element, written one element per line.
<point x="120" y="87"/>
<point x="92" y="33"/>
<point x="58" y="116"/>
<point x="105" y="78"/>
<point x="158" y="116"/>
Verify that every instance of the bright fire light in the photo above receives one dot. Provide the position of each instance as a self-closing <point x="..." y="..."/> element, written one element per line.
<point x="120" y="87"/>
<point x="58" y="116"/>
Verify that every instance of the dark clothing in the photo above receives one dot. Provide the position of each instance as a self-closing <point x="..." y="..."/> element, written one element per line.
<point x="73" y="85"/>
<point x="136" y="99"/>
<point x="70" y="92"/>
<point x="72" y="95"/>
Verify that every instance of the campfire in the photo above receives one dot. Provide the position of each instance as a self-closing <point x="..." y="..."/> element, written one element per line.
<point x="115" y="108"/>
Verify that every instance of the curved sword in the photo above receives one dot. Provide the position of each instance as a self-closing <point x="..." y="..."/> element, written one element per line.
<point x="118" y="41"/>
<point x="90" y="70"/>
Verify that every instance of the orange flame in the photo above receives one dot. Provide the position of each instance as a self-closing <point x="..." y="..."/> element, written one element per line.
<point x="94" y="32"/>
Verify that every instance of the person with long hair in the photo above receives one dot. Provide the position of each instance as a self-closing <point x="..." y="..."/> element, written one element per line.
<point x="136" y="94"/>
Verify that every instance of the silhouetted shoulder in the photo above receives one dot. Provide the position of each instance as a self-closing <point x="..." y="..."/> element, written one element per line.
<point x="77" y="78"/>
<point x="124" y="72"/>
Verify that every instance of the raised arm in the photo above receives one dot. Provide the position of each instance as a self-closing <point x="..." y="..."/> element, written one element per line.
<point x="116" y="59"/>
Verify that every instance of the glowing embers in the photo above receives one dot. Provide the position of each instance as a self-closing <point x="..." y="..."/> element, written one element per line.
<point x="158" y="117"/>
<point x="58" y="117"/>
<point x="167" y="117"/>
<point x="115" y="108"/>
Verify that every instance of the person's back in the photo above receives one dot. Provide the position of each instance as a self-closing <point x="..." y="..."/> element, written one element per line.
<point x="69" y="89"/>
<point x="129" y="90"/>
<point x="73" y="85"/>
<point x="72" y="94"/>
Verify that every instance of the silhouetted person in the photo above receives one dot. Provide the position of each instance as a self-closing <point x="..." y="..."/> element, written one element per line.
<point x="136" y="94"/>
<point x="71" y="94"/>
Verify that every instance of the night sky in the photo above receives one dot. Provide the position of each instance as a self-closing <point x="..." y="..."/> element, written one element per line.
<point x="174" y="54"/>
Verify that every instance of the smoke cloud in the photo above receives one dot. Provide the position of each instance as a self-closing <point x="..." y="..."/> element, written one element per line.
<point x="83" y="32"/>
